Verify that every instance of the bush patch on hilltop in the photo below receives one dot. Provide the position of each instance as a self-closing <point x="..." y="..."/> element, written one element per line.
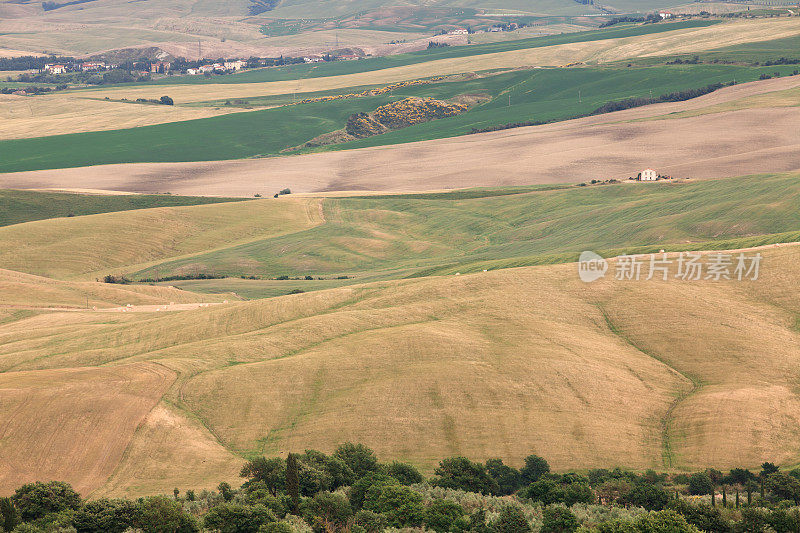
<point x="412" y="111"/>
<point x="392" y="116"/>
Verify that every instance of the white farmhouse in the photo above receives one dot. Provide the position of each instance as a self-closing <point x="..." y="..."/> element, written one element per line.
<point x="648" y="174"/>
<point x="55" y="69"/>
<point x="235" y="65"/>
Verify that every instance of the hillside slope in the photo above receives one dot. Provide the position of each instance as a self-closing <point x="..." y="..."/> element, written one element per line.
<point x="294" y="9"/>
<point x="389" y="237"/>
<point x="725" y="133"/>
<point x="676" y="374"/>
<point x="97" y="243"/>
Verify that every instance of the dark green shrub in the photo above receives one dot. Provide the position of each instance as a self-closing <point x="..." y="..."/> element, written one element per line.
<point x="370" y="522"/>
<point x="104" y="515"/>
<point x="328" y="508"/>
<point x="271" y="472"/>
<point x="359" y="458"/>
<point x="35" y="500"/>
<point x="8" y="514"/>
<point x="236" y="518"/>
<point x="614" y="526"/>
<point x="225" y="491"/>
<point x="754" y="520"/>
<point x="277" y="527"/>
<point x="700" y="483"/>
<point x="405" y="473"/>
<point x="159" y="514"/>
<point x="440" y="515"/>
<point x="359" y="489"/>
<point x="667" y="521"/>
<point x="705" y="517"/>
<point x="535" y="467"/>
<point x="401" y="506"/>
<point x="784" y="486"/>
<point x="511" y="520"/>
<point x="462" y="474"/>
<point x="545" y="491"/>
<point x="578" y="493"/>
<point x="650" y="497"/>
<point x="508" y="479"/>
<point x="785" y="521"/>
<point x="556" y="519"/>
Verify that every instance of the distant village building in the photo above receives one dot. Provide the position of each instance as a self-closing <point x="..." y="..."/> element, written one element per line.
<point x="160" y="67"/>
<point x="459" y="31"/>
<point x="313" y="59"/>
<point x="665" y="14"/>
<point x="348" y="57"/>
<point x="93" y="66"/>
<point x="235" y="65"/>
<point x="648" y="174"/>
<point x="227" y="66"/>
<point x="55" y="69"/>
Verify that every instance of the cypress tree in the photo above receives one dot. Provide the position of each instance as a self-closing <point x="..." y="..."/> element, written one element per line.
<point x="737" y="497"/>
<point x="724" y="498"/>
<point x="9" y="514"/>
<point x="293" y="482"/>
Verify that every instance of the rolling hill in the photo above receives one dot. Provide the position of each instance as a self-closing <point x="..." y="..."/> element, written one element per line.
<point x="298" y="9"/>
<point x="458" y="335"/>
<point x="734" y="131"/>
<point x="388" y="236"/>
<point x="417" y="290"/>
<point x="257" y="118"/>
<point x="706" y="379"/>
<point x="234" y="27"/>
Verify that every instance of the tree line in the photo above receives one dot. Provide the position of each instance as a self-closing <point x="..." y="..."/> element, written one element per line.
<point x="351" y="491"/>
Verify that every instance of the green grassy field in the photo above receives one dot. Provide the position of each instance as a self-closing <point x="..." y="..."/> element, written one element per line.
<point x="320" y="70"/>
<point x="389" y="237"/>
<point x="17" y="207"/>
<point x="757" y="52"/>
<point x="559" y="94"/>
<point x="747" y="53"/>
<point x="384" y="237"/>
<point x="539" y="94"/>
<point x="252" y="289"/>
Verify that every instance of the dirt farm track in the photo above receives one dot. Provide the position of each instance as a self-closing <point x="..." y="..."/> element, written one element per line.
<point x="747" y="129"/>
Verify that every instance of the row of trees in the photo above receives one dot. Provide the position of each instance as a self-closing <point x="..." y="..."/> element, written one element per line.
<point x="351" y="491"/>
<point x="31" y="62"/>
